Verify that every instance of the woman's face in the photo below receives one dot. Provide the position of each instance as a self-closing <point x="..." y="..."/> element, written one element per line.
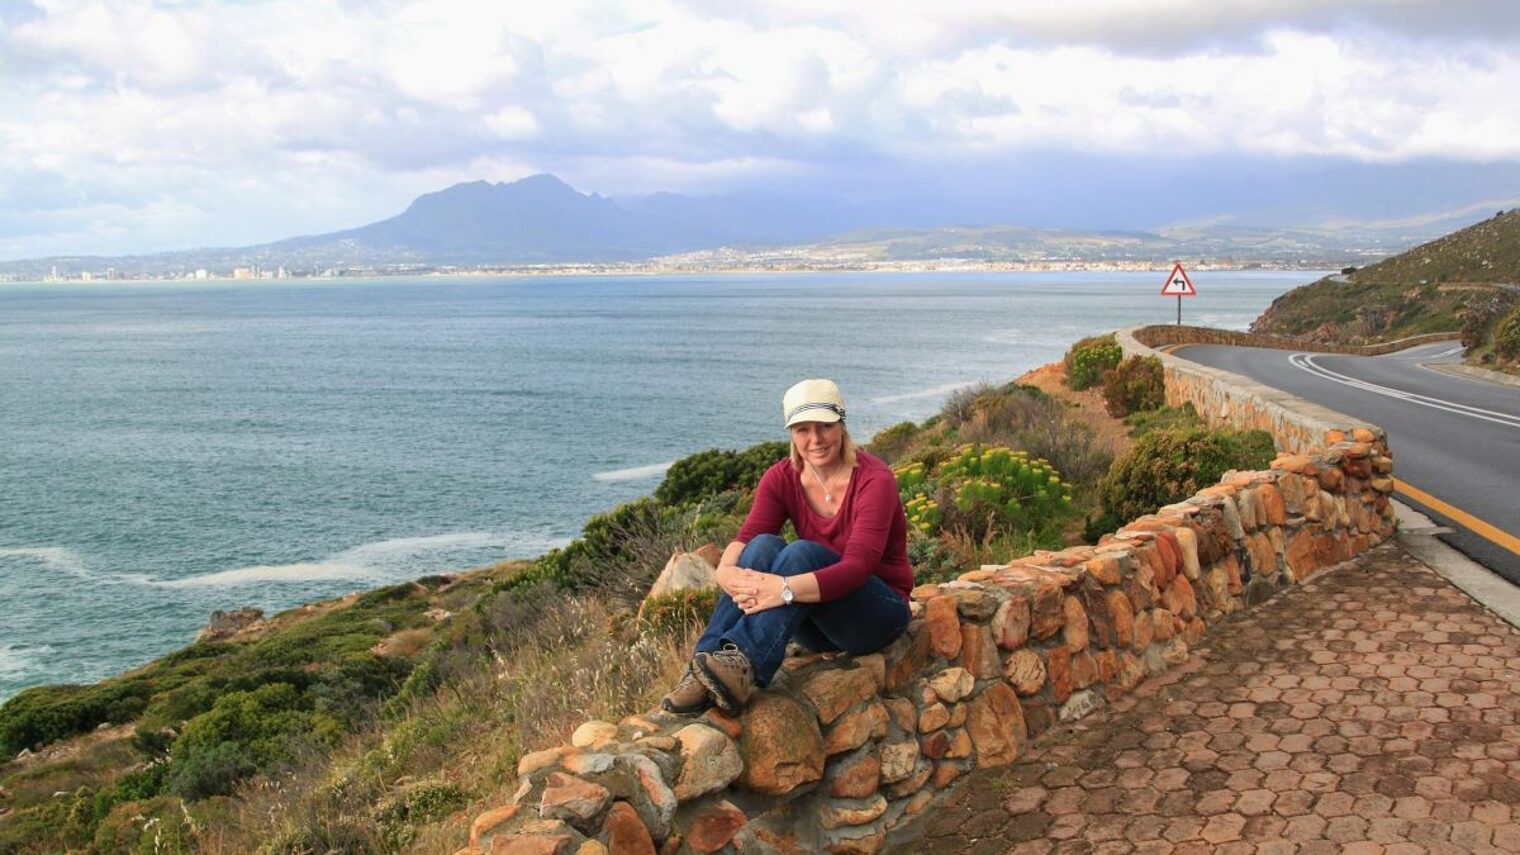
<point x="818" y="442"/>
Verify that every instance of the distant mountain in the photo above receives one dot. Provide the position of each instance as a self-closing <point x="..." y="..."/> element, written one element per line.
<point x="535" y="220"/>
<point x="543" y="220"/>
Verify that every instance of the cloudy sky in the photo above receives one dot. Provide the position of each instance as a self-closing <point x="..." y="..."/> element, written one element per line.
<point x="140" y="125"/>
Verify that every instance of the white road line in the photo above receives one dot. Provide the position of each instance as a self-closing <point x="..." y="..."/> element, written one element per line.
<point x="1305" y="362"/>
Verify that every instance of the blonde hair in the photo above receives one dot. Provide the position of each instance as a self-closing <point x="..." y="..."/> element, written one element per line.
<point x="846" y="448"/>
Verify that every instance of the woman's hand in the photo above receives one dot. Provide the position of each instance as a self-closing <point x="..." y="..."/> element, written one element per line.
<point x="758" y="592"/>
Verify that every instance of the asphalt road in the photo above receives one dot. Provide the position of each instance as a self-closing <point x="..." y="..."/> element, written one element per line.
<point x="1456" y="439"/>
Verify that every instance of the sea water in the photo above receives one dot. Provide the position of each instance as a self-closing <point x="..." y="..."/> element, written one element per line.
<point x="170" y="449"/>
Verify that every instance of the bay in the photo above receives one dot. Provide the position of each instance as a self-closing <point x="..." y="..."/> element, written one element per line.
<point x="171" y="448"/>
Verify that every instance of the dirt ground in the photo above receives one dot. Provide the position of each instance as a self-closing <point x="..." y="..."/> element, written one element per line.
<point x="1051" y="379"/>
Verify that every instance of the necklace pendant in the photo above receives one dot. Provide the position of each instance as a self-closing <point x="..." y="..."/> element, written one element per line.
<point x="828" y="498"/>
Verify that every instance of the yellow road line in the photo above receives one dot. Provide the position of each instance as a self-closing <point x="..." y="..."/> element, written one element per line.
<point x="1173" y="348"/>
<point x="1485" y="530"/>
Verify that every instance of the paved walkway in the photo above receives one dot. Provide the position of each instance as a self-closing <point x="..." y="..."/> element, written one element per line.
<point x="1375" y="709"/>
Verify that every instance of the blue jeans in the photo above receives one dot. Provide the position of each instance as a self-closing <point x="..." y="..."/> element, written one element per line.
<point x="862" y="621"/>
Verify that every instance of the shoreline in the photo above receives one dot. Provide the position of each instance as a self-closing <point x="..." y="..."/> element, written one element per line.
<point x="646" y="269"/>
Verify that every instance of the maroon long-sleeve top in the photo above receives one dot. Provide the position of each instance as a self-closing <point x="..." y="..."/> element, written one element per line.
<point x="870" y="531"/>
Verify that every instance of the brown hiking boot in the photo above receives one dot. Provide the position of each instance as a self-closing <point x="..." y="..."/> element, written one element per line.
<point x="689" y="697"/>
<point x="728" y="676"/>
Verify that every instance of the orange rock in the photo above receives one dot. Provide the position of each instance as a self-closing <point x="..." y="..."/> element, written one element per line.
<point x="540" y="844"/>
<point x="945" y="773"/>
<point x="855" y="777"/>
<point x="1077" y="629"/>
<point x="781" y="745"/>
<point x="730" y="726"/>
<point x="1048" y="612"/>
<point x="1302" y="464"/>
<point x="944" y="626"/>
<point x="490" y="820"/>
<point x="925" y="592"/>
<point x="1025" y="671"/>
<point x="1301" y="554"/>
<point x="1272" y="502"/>
<point x="979" y="653"/>
<point x="934" y="745"/>
<point x="714" y="826"/>
<point x="835" y="690"/>
<point x="1104" y="569"/>
<point x="1084" y="670"/>
<point x="1363" y="435"/>
<point x="1165" y="624"/>
<point x="1180" y="597"/>
<point x="1121" y="615"/>
<point x="1331" y="479"/>
<point x="626" y="834"/>
<point x="1334" y="436"/>
<point x="1231" y="566"/>
<point x="1108" y="665"/>
<point x="855" y="728"/>
<point x="569" y="798"/>
<point x="906" y="657"/>
<point x="960" y="745"/>
<point x="934" y="717"/>
<point x="996" y="724"/>
<point x="1145" y="632"/>
<point x="1010" y="625"/>
<point x="1170" y="553"/>
<point x="1058" y="669"/>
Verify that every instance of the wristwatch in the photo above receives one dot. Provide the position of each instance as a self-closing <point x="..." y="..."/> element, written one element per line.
<point x="786" y="592"/>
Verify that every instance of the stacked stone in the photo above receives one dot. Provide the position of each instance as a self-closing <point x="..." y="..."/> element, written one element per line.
<point x="840" y="750"/>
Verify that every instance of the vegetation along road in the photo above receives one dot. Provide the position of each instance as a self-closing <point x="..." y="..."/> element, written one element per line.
<point x="1456" y="441"/>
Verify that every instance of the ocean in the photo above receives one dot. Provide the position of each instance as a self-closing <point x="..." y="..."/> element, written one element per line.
<point x="167" y="449"/>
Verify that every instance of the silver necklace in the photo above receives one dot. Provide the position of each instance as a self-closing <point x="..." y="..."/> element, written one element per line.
<point x="828" y="496"/>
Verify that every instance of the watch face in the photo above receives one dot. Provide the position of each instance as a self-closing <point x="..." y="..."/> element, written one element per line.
<point x="786" y="593"/>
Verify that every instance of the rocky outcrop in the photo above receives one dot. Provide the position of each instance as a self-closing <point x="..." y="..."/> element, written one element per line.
<point x="686" y="570"/>
<point x="841" y="750"/>
<point x="225" y="624"/>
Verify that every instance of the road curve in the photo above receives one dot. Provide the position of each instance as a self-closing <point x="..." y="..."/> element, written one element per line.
<point x="1455" y="441"/>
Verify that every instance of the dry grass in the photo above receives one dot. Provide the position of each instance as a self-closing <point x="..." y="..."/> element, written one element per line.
<point x="572" y="659"/>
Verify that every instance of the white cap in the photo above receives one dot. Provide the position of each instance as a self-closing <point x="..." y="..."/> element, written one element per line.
<point x="812" y="401"/>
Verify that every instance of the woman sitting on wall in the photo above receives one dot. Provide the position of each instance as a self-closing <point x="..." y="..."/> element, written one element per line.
<point x="842" y="585"/>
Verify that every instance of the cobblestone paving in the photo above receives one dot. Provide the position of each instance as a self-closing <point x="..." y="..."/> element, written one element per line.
<point x="1375" y="709"/>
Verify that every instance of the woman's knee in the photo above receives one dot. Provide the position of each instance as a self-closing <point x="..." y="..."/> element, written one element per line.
<point x="761" y="551"/>
<point x="803" y="556"/>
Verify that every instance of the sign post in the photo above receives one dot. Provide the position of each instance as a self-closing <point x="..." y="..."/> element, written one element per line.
<point x="1179" y="285"/>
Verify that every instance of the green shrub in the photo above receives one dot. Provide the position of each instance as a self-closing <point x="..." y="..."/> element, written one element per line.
<point x="932" y="561"/>
<point x="1089" y="359"/>
<point x="980" y="489"/>
<point x="1167" y="466"/>
<point x="1137" y="383"/>
<point x="44" y="714"/>
<point x="1507" y="336"/>
<point x="242" y="733"/>
<point x="1480" y="318"/>
<point x="604" y="544"/>
<point x="1164" y="418"/>
<point x="679" y="611"/>
<point x="890" y="443"/>
<point x="707" y="473"/>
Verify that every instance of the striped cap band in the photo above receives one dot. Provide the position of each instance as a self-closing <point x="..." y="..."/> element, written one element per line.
<point x="833" y="408"/>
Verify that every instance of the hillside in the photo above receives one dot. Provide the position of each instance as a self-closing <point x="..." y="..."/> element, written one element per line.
<point x="1466" y="281"/>
<point x="1488" y="252"/>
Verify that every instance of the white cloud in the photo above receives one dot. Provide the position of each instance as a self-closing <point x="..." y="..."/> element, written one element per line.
<point x="170" y="104"/>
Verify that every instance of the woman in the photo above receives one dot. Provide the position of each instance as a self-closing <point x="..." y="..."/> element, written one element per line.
<point x="842" y="585"/>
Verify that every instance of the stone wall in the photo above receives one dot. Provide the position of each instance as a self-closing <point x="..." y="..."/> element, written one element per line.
<point x="1227" y="399"/>
<point x="1162" y="335"/>
<point x="841" y="750"/>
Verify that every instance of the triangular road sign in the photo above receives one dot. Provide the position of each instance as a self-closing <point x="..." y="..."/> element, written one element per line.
<point x="1178" y="284"/>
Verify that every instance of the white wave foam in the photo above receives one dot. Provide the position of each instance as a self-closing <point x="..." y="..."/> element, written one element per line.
<point x="932" y="392"/>
<point x="63" y="560"/>
<point x="14" y="660"/>
<point x="384" y="559"/>
<point x="636" y="473"/>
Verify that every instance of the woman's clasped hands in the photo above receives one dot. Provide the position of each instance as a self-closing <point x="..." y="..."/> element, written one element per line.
<point x="751" y="590"/>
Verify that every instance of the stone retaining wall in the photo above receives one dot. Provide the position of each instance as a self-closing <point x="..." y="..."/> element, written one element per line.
<point x="1224" y="398"/>
<point x="1162" y="335"/>
<point x="842" y="750"/>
